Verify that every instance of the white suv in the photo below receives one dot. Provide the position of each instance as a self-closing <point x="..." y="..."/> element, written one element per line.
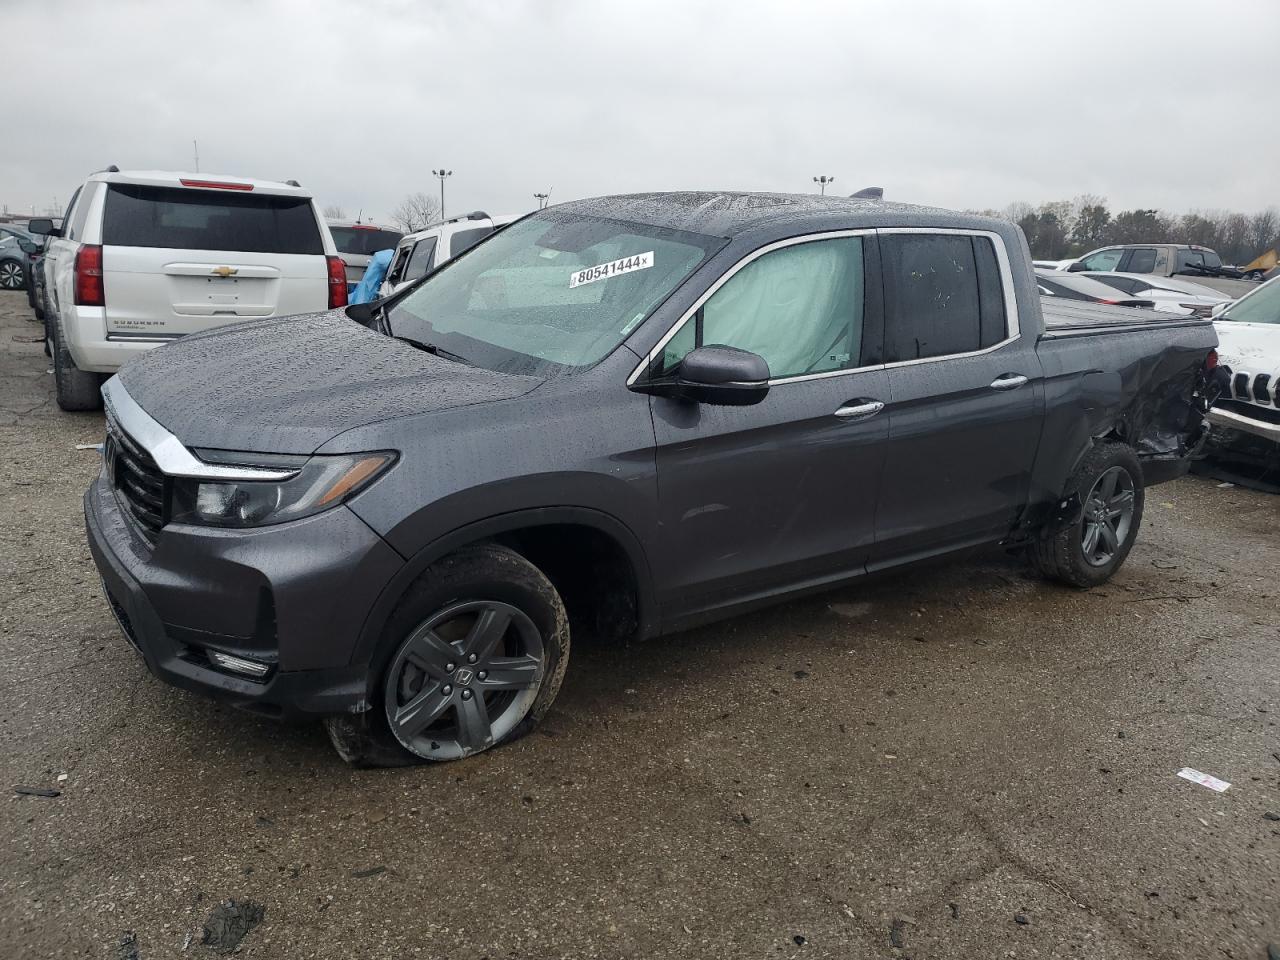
<point x="145" y="257"/>
<point x="419" y="253"/>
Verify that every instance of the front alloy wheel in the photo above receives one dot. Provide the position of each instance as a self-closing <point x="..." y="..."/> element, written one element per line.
<point x="464" y="679"/>
<point x="474" y="655"/>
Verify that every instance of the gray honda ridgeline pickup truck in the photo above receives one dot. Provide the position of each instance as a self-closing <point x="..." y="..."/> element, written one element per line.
<point x="630" y="414"/>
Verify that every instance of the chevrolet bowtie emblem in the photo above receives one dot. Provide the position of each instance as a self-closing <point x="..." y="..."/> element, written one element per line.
<point x="225" y="271"/>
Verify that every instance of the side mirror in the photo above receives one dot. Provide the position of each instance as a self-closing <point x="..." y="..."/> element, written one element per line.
<point x="1220" y="308"/>
<point x="1076" y="267"/>
<point x="719" y="375"/>
<point x="43" y="226"/>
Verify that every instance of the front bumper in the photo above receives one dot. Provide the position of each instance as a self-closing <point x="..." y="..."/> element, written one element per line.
<point x="1234" y="419"/>
<point x="293" y="596"/>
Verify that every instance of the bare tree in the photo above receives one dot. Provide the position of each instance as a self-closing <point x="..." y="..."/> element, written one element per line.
<point x="1264" y="230"/>
<point x="334" y="211"/>
<point x="415" y="212"/>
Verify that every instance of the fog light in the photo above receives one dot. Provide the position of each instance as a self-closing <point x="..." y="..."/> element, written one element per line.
<point x="250" y="668"/>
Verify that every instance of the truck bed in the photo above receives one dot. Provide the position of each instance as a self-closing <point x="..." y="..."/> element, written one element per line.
<point x="1069" y="317"/>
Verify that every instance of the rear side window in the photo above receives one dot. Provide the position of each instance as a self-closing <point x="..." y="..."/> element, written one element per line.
<point x="943" y="295"/>
<point x="364" y="241"/>
<point x="142" y="216"/>
<point x="466" y="239"/>
<point x="1143" y="260"/>
<point x="420" y="260"/>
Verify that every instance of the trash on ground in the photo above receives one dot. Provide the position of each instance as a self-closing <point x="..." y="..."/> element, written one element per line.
<point x="89" y="446"/>
<point x="230" y="922"/>
<point x="1226" y="485"/>
<point x="895" y="934"/>
<point x="36" y="791"/>
<point x="128" y="946"/>
<point x="1204" y="779"/>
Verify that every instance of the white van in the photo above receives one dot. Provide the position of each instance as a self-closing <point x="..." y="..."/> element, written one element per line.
<point x="419" y="253"/>
<point x="145" y="257"/>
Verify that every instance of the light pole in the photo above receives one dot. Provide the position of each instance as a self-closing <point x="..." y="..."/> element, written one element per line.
<point x="441" y="174"/>
<point x="823" y="181"/>
<point x="542" y="199"/>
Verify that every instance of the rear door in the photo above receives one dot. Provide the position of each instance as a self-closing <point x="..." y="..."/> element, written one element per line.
<point x="755" y="500"/>
<point x="178" y="260"/>
<point x="966" y="395"/>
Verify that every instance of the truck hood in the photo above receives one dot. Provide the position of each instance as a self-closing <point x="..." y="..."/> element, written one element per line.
<point x="291" y="385"/>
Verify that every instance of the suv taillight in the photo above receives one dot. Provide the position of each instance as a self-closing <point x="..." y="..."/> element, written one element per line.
<point x="337" y="282"/>
<point x="89" y="291"/>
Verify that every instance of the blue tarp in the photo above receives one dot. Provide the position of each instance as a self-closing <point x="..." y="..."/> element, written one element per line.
<point x="367" y="288"/>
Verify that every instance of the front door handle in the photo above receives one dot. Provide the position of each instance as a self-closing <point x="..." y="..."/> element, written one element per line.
<point x="1008" y="381"/>
<point x="859" y="409"/>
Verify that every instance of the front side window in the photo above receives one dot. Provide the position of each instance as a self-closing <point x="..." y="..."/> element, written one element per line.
<point x="1103" y="260"/>
<point x="181" y="219"/>
<point x="943" y="295"/>
<point x="1187" y="259"/>
<point x="799" y="307"/>
<point x="550" y="294"/>
<point x="420" y="260"/>
<point x="1261" y="306"/>
<point x="1143" y="260"/>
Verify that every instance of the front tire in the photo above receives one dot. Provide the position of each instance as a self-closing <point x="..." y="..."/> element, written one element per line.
<point x="77" y="389"/>
<point x="475" y="654"/>
<point x="1090" y="551"/>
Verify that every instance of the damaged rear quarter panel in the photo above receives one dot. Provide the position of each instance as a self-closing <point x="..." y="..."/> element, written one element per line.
<point x="1117" y="383"/>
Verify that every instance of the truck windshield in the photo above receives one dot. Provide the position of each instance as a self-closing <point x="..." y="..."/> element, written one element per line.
<point x="550" y="294"/>
<point x="1261" y="306"/>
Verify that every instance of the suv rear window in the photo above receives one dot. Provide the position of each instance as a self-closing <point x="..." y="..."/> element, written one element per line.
<point x="143" y="216"/>
<point x="364" y="240"/>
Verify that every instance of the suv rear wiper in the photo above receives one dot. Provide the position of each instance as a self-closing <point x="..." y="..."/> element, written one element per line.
<point x="432" y="349"/>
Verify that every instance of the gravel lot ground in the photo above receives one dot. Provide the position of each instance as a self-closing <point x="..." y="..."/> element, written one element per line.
<point x="905" y="768"/>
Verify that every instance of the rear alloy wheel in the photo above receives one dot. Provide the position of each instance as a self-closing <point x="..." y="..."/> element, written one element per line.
<point x="1108" y="515"/>
<point x="12" y="276"/>
<point x="1086" y="553"/>
<point x="475" y="653"/>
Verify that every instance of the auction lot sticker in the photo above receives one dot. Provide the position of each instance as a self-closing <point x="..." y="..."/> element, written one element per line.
<point x="603" y="271"/>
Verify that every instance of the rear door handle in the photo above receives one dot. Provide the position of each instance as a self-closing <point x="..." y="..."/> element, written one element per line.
<point x="1008" y="381"/>
<point x="859" y="409"/>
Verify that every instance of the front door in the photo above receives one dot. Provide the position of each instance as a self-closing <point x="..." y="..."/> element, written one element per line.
<point x="966" y="396"/>
<point x="757" y="500"/>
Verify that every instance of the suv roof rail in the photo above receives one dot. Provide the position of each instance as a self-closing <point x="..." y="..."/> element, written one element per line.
<point x="868" y="193"/>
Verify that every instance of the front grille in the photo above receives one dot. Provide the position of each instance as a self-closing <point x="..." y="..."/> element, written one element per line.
<point x="138" y="481"/>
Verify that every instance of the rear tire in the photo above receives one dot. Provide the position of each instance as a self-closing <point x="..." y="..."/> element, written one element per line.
<point x="435" y="663"/>
<point x="77" y="389"/>
<point x="1089" y="551"/>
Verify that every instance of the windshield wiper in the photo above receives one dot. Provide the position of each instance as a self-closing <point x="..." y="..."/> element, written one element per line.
<point x="432" y="349"/>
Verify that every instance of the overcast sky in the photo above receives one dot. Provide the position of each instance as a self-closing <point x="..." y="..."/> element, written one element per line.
<point x="1163" y="104"/>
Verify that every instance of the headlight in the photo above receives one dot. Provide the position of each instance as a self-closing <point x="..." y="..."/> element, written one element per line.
<point x="320" y="482"/>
